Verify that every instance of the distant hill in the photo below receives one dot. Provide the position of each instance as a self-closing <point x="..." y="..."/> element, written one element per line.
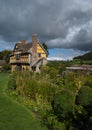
<point x="87" y="56"/>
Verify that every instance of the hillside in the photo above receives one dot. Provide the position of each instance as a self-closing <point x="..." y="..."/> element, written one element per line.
<point x="87" y="56"/>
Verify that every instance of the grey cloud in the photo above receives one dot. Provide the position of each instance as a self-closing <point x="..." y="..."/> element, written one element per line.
<point x="61" y="23"/>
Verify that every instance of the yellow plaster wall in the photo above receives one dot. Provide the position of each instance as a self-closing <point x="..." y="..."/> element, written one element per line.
<point x="41" y="51"/>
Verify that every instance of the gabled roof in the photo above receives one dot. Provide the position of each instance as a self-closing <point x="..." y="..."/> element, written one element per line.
<point x="23" y="47"/>
<point x="26" y="47"/>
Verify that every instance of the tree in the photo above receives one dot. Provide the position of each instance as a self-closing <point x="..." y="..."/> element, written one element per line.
<point x="4" y="55"/>
<point x="46" y="48"/>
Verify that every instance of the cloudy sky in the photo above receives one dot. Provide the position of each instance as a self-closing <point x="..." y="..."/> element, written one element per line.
<point x="64" y="25"/>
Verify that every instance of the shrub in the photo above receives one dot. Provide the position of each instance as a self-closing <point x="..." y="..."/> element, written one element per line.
<point x="6" y="67"/>
<point x="84" y="97"/>
<point x="12" y="82"/>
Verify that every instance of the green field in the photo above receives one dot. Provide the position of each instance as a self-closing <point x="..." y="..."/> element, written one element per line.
<point x="14" y="116"/>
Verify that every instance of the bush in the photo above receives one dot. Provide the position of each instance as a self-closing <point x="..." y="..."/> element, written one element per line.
<point x="6" y="67"/>
<point x="61" y="101"/>
<point x="50" y="120"/>
<point x="63" y="106"/>
<point x="84" y="97"/>
<point x="89" y="81"/>
<point x="12" y="82"/>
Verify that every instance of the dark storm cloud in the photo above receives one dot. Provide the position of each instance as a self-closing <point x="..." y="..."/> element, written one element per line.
<point x="59" y="23"/>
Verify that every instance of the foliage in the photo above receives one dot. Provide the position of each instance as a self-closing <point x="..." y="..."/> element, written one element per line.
<point x="46" y="48"/>
<point x="14" y="116"/>
<point x="61" y="99"/>
<point x="50" y="120"/>
<point x="89" y="81"/>
<point x="12" y="81"/>
<point x="63" y="104"/>
<point x="4" y="55"/>
<point x="6" y="67"/>
<point x="84" y="97"/>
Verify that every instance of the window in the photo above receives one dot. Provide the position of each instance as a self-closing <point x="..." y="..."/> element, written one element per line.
<point x="17" y="56"/>
<point x="39" y="54"/>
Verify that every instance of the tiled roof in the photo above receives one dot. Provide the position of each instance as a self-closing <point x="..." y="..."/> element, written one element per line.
<point x="26" y="47"/>
<point x="23" y="47"/>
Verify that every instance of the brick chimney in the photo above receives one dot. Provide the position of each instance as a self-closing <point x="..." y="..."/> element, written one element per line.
<point x="23" y="41"/>
<point x="34" y="43"/>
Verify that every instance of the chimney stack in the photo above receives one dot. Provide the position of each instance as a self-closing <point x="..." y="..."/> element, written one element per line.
<point x="34" y="43"/>
<point x="23" y="41"/>
<point x="34" y="38"/>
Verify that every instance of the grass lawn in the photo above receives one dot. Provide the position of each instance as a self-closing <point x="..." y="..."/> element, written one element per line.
<point x="14" y="116"/>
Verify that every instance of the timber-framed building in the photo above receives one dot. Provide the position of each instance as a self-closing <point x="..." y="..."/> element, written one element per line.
<point x="28" y="56"/>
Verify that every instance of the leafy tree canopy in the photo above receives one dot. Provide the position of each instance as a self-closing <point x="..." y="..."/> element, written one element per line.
<point x="4" y="55"/>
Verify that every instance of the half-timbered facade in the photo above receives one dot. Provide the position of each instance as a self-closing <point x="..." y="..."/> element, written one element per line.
<point x="28" y="56"/>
